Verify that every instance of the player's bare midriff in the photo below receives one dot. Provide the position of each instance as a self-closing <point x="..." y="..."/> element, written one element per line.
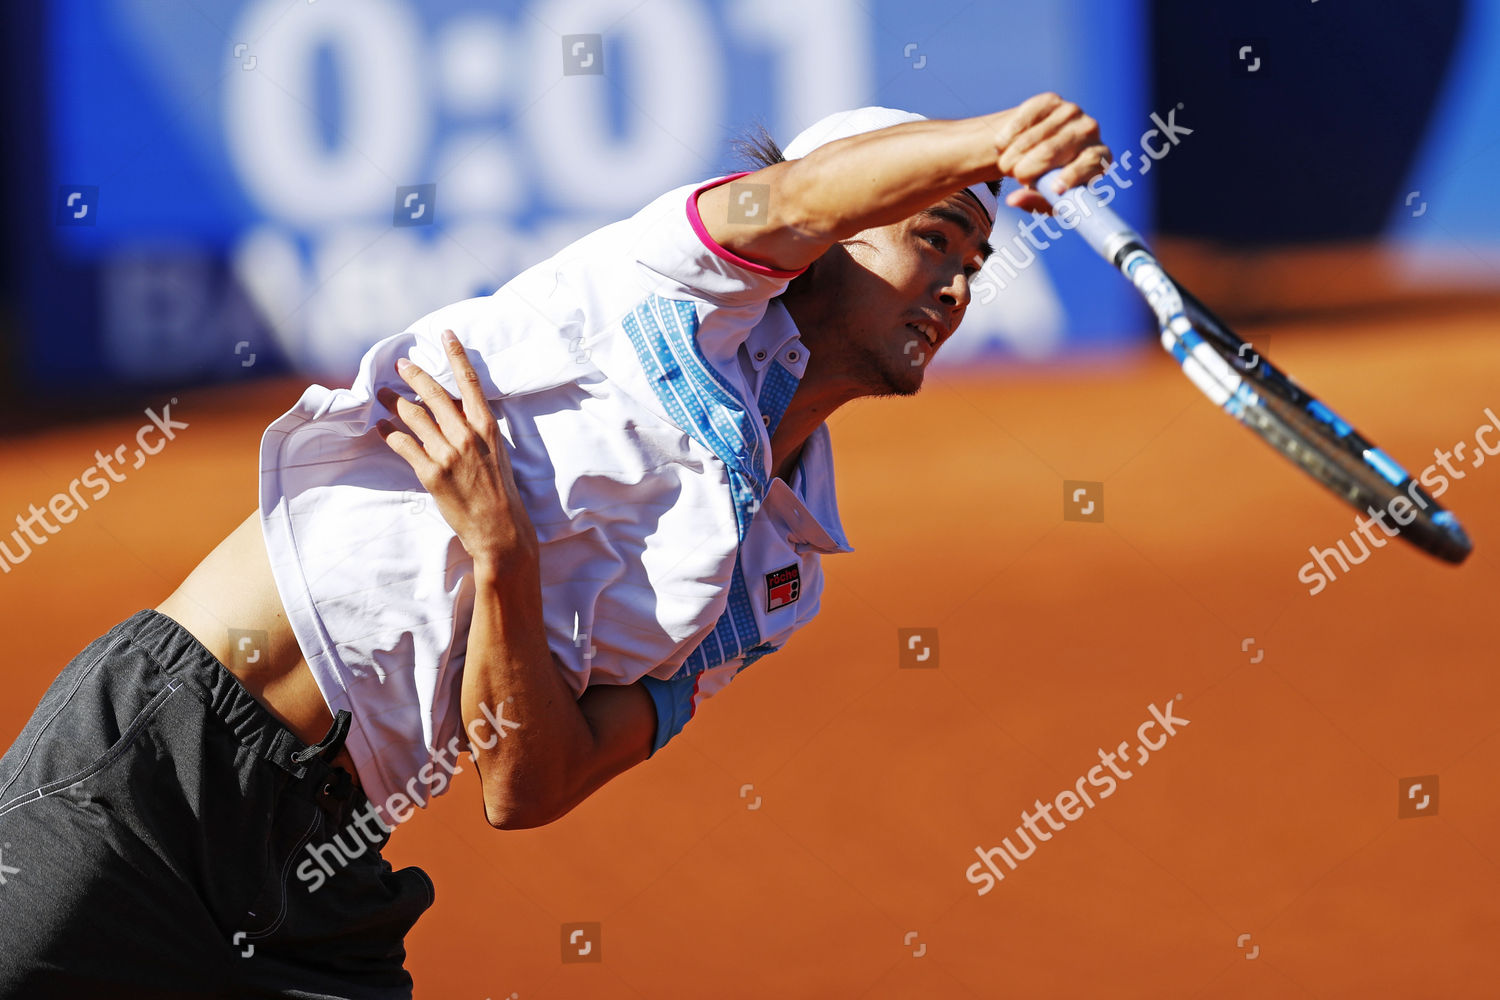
<point x="233" y="588"/>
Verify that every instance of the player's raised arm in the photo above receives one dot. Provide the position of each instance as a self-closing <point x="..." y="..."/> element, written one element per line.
<point x="881" y="177"/>
<point x="539" y="751"/>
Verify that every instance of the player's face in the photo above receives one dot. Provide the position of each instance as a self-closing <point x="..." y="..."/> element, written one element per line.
<point x="901" y="290"/>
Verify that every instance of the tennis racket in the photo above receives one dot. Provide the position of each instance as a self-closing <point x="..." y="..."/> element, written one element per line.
<point x="1249" y="388"/>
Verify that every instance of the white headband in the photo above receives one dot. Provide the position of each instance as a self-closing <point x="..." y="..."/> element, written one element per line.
<point x="843" y="124"/>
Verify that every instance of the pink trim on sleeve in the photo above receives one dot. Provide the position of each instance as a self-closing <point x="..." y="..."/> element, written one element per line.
<point x="720" y="252"/>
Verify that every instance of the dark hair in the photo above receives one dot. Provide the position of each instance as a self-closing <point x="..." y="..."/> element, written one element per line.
<point x="758" y="149"/>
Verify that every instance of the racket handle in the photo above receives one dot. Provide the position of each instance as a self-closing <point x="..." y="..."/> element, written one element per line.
<point x="1105" y="231"/>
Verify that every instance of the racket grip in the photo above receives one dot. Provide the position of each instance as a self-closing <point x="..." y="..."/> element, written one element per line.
<point x="1103" y="230"/>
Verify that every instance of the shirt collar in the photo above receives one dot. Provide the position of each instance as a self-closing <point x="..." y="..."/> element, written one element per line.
<point x="814" y="503"/>
<point x="813" y="484"/>
<point x="775" y="338"/>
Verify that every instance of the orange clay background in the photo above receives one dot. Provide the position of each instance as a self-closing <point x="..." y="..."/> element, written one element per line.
<point x="1272" y="814"/>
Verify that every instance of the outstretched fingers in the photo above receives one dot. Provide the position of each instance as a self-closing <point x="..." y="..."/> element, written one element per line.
<point x="476" y="411"/>
<point x="435" y="398"/>
<point x="439" y="430"/>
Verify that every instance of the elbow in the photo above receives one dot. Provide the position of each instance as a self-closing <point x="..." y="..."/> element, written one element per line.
<point x="515" y="811"/>
<point x="511" y="817"/>
<point x="516" y="797"/>
<point x="508" y="821"/>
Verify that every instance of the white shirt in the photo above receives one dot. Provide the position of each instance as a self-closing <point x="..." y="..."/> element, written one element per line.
<point x="637" y="375"/>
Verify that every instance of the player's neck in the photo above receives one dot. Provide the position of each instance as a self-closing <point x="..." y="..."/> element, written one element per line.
<point x="811" y="405"/>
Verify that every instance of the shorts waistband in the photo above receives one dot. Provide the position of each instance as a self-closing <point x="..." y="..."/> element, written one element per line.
<point x="184" y="658"/>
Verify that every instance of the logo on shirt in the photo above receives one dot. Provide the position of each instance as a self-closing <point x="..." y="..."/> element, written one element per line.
<point x="783" y="586"/>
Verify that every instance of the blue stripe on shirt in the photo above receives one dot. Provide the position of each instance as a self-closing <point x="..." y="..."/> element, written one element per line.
<point x="702" y="402"/>
<point x="775" y="394"/>
<point x="664" y="333"/>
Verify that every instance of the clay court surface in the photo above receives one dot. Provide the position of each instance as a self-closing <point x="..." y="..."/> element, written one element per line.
<point x="1272" y="814"/>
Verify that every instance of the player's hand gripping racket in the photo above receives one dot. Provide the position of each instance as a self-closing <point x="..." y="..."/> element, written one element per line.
<point x="1241" y="381"/>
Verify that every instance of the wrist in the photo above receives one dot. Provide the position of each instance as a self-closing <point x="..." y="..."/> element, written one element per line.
<point x="987" y="145"/>
<point x="492" y="565"/>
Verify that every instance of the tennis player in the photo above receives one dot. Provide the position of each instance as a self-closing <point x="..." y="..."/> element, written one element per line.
<point x="545" y="551"/>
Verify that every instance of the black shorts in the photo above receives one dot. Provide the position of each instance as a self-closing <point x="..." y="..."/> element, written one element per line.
<point x="152" y="814"/>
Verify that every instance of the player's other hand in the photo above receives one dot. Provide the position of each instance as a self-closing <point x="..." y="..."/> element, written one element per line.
<point x="1042" y="134"/>
<point x="461" y="458"/>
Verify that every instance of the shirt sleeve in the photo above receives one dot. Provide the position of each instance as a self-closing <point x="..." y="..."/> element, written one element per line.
<point x="678" y="697"/>
<point x="677" y="260"/>
<point x="673" y="699"/>
<point x="675" y="244"/>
